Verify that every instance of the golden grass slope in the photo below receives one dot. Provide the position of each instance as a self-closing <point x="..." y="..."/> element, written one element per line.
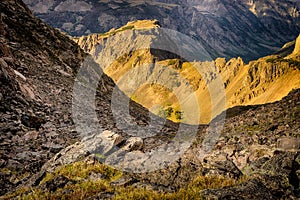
<point x="260" y="81"/>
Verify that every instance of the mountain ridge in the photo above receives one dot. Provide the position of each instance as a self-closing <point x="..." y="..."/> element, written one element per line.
<point x="257" y="82"/>
<point x="249" y="28"/>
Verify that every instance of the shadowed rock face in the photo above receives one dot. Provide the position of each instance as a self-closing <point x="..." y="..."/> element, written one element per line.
<point x="36" y="69"/>
<point x="247" y="28"/>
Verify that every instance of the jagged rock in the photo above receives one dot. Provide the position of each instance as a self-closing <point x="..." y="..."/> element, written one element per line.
<point x="54" y="148"/>
<point x="288" y="144"/>
<point x="27" y="91"/>
<point x="133" y="144"/>
<point x="103" y="142"/>
<point x="123" y="182"/>
<point x="227" y="166"/>
<point x="71" y="154"/>
<point x="20" y="75"/>
<point x="283" y="163"/>
<point x="253" y="189"/>
<point x="36" y="48"/>
<point x="296" y="51"/>
<point x="276" y="179"/>
<point x="27" y="84"/>
<point x="244" y="84"/>
<point x="95" y="176"/>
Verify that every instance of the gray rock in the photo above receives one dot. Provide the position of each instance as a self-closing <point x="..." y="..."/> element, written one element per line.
<point x="133" y="144"/>
<point x="31" y="135"/>
<point x="288" y="144"/>
<point x="253" y="189"/>
<point x="103" y="143"/>
<point x="56" y="183"/>
<point x="95" y="176"/>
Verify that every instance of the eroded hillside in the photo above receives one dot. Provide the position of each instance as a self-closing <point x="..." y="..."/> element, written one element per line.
<point x="154" y="78"/>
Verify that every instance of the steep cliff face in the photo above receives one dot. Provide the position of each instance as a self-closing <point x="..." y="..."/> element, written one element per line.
<point x="261" y="82"/>
<point x="249" y="28"/>
<point x="155" y="80"/>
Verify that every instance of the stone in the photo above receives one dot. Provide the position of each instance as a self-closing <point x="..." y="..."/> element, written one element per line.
<point x="103" y="142"/>
<point x="32" y="121"/>
<point x="20" y="75"/>
<point x="27" y="91"/>
<point x="62" y="72"/>
<point x="133" y="144"/>
<point x="95" y="176"/>
<point x="253" y="189"/>
<point x="123" y="182"/>
<point x="288" y="144"/>
<point x="56" y="183"/>
<point x="54" y="148"/>
<point x="31" y="135"/>
<point x="277" y="175"/>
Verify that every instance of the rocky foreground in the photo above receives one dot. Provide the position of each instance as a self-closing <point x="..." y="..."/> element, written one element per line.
<point x="43" y="156"/>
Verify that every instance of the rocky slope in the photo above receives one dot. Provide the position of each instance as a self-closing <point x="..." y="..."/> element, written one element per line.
<point x="248" y="28"/>
<point x="255" y="157"/>
<point x="161" y="81"/>
<point x="38" y="68"/>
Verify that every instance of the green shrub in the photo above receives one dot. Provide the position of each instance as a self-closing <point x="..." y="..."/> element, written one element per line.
<point x="172" y="62"/>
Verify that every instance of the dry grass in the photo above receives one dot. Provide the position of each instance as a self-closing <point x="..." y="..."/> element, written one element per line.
<point x="83" y="187"/>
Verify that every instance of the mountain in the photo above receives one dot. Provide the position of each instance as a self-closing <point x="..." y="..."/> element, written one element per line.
<point x="249" y="28"/>
<point x="48" y="153"/>
<point x="162" y="81"/>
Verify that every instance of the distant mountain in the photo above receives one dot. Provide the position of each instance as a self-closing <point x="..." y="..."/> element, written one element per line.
<point x="153" y="78"/>
<point x="246" y="28"/>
